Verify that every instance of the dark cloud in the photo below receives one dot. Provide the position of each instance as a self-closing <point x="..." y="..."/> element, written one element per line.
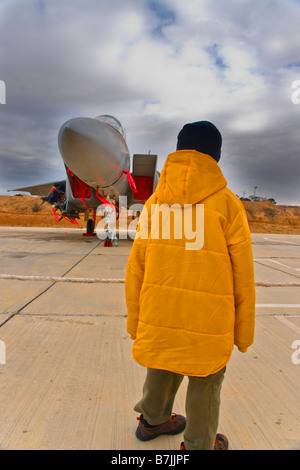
<point x="155" y="65"/>
<point x="270" y="161"/>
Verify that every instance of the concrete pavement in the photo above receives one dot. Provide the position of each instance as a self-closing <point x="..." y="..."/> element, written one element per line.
<point x="69" y="381"/>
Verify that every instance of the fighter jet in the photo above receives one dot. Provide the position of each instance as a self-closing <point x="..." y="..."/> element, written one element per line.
<point x="97" y="164"/>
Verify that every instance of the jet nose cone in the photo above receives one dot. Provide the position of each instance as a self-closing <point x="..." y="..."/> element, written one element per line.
<point x="92" y="150"/>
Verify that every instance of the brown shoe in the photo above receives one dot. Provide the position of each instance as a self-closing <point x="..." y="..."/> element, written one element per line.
<point x="174" y="425"/>
<point x="221" y="443"/>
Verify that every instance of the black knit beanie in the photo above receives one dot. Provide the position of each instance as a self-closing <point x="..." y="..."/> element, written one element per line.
<point x="202" y="136"/>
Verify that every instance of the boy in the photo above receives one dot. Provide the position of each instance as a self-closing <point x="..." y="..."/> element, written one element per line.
<point x="189" y="303"/>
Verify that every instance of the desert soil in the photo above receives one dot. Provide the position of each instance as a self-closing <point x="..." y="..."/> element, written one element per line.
<point x="263" y="217"/>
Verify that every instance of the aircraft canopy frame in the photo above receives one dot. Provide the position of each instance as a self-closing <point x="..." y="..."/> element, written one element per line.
<point x="112" y="121"/>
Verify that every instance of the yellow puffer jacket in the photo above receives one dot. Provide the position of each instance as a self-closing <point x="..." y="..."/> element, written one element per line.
<point x="189" y="304"/>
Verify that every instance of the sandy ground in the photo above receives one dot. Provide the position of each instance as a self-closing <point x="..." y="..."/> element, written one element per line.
<point x="263" y="217"/>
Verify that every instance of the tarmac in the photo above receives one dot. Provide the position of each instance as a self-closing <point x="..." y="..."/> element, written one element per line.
<point x="67" y="377"/>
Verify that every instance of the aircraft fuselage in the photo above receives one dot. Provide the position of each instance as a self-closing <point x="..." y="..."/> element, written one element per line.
<point x="96" y="155"/>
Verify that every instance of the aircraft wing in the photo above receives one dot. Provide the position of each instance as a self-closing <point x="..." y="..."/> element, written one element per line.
<point x="42" y="189"/>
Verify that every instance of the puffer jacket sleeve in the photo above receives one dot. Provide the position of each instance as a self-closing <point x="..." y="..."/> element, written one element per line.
<point x="135" y="273"/>
<point x="240" y="251"/>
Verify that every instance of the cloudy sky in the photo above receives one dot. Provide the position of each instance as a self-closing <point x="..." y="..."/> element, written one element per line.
<point x="155" y="65"/>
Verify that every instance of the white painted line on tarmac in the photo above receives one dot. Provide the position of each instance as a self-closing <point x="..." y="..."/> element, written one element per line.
<point x="278" y="284"/>
<point x="60" y="279"/>
<point x="116" y="281"/>
<point x="280" y="241"/>
<point x="288" y="323"/>
<point x="276" y="262"/>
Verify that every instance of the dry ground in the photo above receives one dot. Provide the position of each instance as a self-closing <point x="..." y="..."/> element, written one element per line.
<point x="263" y="217"/>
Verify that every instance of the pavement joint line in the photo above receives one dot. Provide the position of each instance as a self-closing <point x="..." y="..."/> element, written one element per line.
<point x="281" y="241"/>
<point x="62" y="318"/>
<point x="2" y="276"/>
<point x="278" y="284"/>
<point x="66" y="316"/>
<point x="287" y="322"/>
<point x="277" y="262"/>
<point x="277" y="305"/>
<point x="7" y="320"/>
<point x="117" y="280"/>
<point x="61" y="279"/>
<point x="275" y="269"/>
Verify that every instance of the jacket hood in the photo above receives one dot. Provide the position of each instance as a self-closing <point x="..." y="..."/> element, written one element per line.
<point x="189" y="177"/>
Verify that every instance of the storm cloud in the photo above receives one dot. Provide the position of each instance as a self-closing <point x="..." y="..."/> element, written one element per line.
<point x="155" y="65"/>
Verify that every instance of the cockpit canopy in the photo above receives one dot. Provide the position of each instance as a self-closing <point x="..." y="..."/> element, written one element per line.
<point x="112" y="121"/>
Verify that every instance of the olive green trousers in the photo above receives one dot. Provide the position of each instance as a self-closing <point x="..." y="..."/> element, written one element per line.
<point x="202" y="404"/>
